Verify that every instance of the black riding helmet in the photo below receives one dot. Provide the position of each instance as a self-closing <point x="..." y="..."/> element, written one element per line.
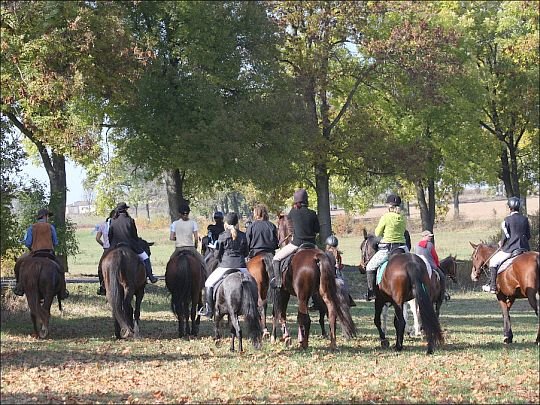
<point x="332" y="241"/>
<point x="514" y="203"/>
<point x="393" y="200"/>
<point x="300" y="196"/>
<point x="218" y="215"/>
<point x="231" y="218"/>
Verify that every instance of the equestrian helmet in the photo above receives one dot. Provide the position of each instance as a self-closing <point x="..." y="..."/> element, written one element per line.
<point x="184" y="208"/>
<point x="332" y="241"/>
<point x="300" y="196"/>
<point x="393" y="200"/>
<point x="231" y="218"/>
<point x="218" y="215"/>
<point x="514" y="203"/>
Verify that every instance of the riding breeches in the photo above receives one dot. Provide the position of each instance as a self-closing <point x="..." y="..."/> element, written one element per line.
<point x="214" y="277"/>
<point x="498" y="258"/>
<point x="285" y="251"/>
<point x="378" y="258"/>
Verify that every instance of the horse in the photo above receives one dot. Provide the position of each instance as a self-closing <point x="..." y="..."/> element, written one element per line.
<point x="284" y="227"/>
<point x="311" y="270"/>
<point x="41" y="283"/>
<point x="124" y="276"/>
<point x="184" y="278"/>
<point x="405" y="278"/>
<point x="259" y="267"/>
<point x="520" y="280"/>
<point x="237" y="295"/>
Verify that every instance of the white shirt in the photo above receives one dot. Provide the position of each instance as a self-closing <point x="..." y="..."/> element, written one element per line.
<point x="183" y="231"/>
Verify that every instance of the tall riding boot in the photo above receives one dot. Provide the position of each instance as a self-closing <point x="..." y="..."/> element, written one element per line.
<point x="148" y="267"/>
<point x="493" y="280"/>
<point x="63" y="289"/>
<point x="370" y="276"/>
<point x="101" y="290"/>
<point x="208" y="310"/>
<point x="277" y="273"/>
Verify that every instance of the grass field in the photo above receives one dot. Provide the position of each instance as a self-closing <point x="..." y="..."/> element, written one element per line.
<point x="81" y="362"/>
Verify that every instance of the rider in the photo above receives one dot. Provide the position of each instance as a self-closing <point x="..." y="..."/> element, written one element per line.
<point x="231" y="252"/>
<point x="392" y="229"/>
<point x="214" y="230"/>
<point x="41" y="237"/>
<point x="185" y="233"/>
<point x="102" y="237"/>
<point x="305" y="225"/>
<point x="122" y="229"/>
<point x="426" y="249"/>
<point x="516" y="234"/>
<point x="261" y="234"/>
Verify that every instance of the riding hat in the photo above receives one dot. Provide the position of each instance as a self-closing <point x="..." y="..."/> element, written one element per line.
<point x="184" y="208"/>
<point x="218" y="215"/>
<point x="514" y="203"/>
<point x="332" y="241"/>
<point x="122" y="207"/>
<point x="300" y="196"/>
<point x="231" y="218"/>
<point x="393" y="200"/>
<point x="44" y="212"/>
<point x="426" y="233"/>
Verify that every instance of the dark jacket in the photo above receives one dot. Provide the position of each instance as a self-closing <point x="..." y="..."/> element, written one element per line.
<point x="518" y="228"/>
<point x="123" y="230"/>
<point x="305" y="225"/>
<point x="214" y="230"/>
<point x="232" y="253"/>
<point x="262" y="237"/>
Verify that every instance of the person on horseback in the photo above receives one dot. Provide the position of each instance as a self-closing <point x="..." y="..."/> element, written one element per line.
<point x="426" y="249"/>
<point x="231" y="252"/>
<point x="515" y="238"/>
<point x="122" y="230"/>
<point x="41" y="237"/>
<point x="392" y="229"/>
<point x="185" y="234"/>
<point x="261" y="234"/>
<point x="102" y="238"/>
<point x="214" y="230"/>
<point x="305" y="225"/>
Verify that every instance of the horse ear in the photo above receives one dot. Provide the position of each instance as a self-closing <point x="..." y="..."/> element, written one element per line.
<point x="365" y="233"/>
<point x="473" y="245"/>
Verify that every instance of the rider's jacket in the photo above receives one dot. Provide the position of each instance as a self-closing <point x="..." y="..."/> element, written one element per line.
<point x="41" y="236"/>
<point x="123" y="230"/>
<point x="306" y="225"/>
<point x="262" y="237"/>
<point x="516" y="232"/>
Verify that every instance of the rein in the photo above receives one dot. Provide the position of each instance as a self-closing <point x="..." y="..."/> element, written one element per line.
<point x="483" y="266"/>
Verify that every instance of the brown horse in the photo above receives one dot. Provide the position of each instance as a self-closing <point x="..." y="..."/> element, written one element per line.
<point x="39" y="277"/>
<point x="438" y="287"/>
<point x="124" y="276"/>
<point x="284" y="227"/>
<point x="259" y="267"/>
<point x="311" y="270"/>
<point x="405" y="278"/>
<point x="520" y="280"/>
<point x="185" y="277"/>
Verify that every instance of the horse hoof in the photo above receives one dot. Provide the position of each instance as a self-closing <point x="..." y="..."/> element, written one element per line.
<point x="507" y="340"/>
<point x="43" y="333"/>
<point x="398" y="348"/>
<point x="429" y="350"/>
<point x="385" y="343"/>
<point x="288" y="341"/>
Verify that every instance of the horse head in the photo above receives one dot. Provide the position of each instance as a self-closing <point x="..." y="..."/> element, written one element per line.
<point x="480" y="258"/>
<point x="449" y="266"/>
<point x="368" y="247"/>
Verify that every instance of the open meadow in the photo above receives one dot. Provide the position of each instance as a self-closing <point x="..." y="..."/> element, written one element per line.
<point x="82" y="362"/>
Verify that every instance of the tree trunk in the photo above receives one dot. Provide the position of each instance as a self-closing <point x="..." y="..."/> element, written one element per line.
<point x="323" y="200"/>
<point x="174" y="183"/>
<point x="55" y="165"/>
<point x="456" y="203"/>
<point x="148" y="212"/>
<point x="427" y="208"/>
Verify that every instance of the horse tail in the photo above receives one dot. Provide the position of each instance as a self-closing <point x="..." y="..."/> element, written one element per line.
<point x="267" y="260"/>
<point x="115" y="293"/>
<point x="330" y="288"/>
<point x="180" y="285"/>
<point x="430" y="322"/>
<point x="249" y="306"/>
<point x="31" y="289"/>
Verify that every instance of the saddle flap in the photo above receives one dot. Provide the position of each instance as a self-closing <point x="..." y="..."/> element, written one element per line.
<point x="221" y="279"/>
<point x="44" y="253"/>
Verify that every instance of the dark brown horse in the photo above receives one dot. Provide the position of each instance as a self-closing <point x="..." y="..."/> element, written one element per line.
<point x="284" y="227"/>
<point x="259" y="267"/>
<point x="449" y="267"/>
<point x="124" y="276"/>
<point x="311" y="270"/>
<point x="39" y="278"/>
<point x="185" y="277"/>
<point x="405" y="278"/>
<point x="520" y="280"/>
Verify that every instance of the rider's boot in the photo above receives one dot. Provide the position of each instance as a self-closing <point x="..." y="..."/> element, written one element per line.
<point x="208" y="309"/>
<point x="148" y="267"/>
<point x="277" y="274"/>
<point x="101" y="290"/>
<point x="64" y="293"/>
<point x="370" y="275"/>
<point x="492" y="281"/>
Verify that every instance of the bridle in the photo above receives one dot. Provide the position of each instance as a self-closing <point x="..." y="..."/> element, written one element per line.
<point x="364" y="246"/>
<point x="484" y="266"/>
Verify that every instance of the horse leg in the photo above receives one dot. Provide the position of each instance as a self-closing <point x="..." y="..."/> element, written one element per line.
<point x="137" y="315"/>
<point x="47" y="302"/>
<point x="264" y="308"/>
<point x="193" y="317"/>
<point x="35" y="324"/>
<point x="414" y="309"/>
<point x="304" y="323"/>
<point x="117" y="331"/>
<point x="534" y="301"/>
<point x="322" y="314"/>
<point x="399" y="324"/>
<point x="507" y="325"/>
<point x="235" y="332"/>
<point x="379" y="304"/>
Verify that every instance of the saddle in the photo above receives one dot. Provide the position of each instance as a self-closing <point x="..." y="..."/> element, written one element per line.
<point x="220" y="281"/>
<point x="508" y="262"/>
<point x="284" y="265"/>
<point x="44" y="253"/>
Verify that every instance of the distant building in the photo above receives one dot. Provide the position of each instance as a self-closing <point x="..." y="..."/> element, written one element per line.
<point x="80" y="207"/>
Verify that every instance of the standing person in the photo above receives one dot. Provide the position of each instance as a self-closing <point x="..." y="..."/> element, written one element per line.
<point x="391" y="228"/>
<point x="305" y="225"/>
<point x="185" y="233"/>
<point x="102" y="238"/>
<point x="232" y="249"/>
<point x="426" y="249"/>
<point x="122" y="229"/>
<point x="261" y="234"/>
<point x="41" y="237"/>
<point x="516" y="234"/>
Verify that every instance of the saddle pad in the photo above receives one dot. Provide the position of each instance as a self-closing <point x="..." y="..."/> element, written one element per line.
<point x="428" y="266"/>
<point x="220" y="281"/>
<point x="380" y="271"/>
<point x="507" y="263"/>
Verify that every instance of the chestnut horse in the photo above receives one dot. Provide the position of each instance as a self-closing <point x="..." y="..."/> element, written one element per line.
<point x="184" y="278"/>
<point x="311" y="270"/>
<point x="41" y="283"/>
<point x="520" y="280"/>
<point x="284" y="227"/>
<point x="124" y="276"/>
<point x="259" y="267"/>
<point x="405" y="278"/>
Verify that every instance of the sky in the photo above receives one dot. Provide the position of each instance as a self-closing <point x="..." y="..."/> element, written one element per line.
<point x="75" y="175"/>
